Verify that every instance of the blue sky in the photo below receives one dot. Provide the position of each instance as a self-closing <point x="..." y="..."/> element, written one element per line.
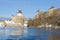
<point x="28" y="7"/>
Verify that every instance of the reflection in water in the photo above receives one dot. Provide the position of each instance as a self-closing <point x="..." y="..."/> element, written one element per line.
<point x="26" y="30"/>
<point x="29" y="34"/>
<point x="55" y="35"/>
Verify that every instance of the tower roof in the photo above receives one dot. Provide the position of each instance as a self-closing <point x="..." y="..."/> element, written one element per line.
<point x="19" y="11"/>
<point x="38" y="10"/>
<point x="52" y="7"/>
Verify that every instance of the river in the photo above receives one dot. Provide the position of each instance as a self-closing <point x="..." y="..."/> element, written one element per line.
<point x="29" y="34"/>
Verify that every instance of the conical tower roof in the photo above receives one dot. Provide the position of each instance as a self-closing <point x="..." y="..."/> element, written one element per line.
<point x="19" y="11"/>
<point x="52" y="7"/>
<point x="38" y="10"/>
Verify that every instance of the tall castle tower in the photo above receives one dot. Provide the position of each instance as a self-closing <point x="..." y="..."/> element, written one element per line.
<point x="19" y="18"/>
<point x="38" y="14"/>
<point x="51" y="10"/>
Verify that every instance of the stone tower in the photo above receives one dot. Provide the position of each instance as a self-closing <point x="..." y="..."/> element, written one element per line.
<point x="51" y="10"/>
<point x="19" y="18"/>
<point x="38" y="14"/>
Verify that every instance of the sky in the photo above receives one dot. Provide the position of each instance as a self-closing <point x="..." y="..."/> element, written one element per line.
<point x="28" y="7"/>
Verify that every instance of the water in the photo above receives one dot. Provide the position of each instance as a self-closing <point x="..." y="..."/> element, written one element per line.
<point x="27" y="33"/>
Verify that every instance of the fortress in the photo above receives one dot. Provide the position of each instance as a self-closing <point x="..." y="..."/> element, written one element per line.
<point x="19" y="20"/>
<point x="47" y="18"/>
<point x="43" y="19"/>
